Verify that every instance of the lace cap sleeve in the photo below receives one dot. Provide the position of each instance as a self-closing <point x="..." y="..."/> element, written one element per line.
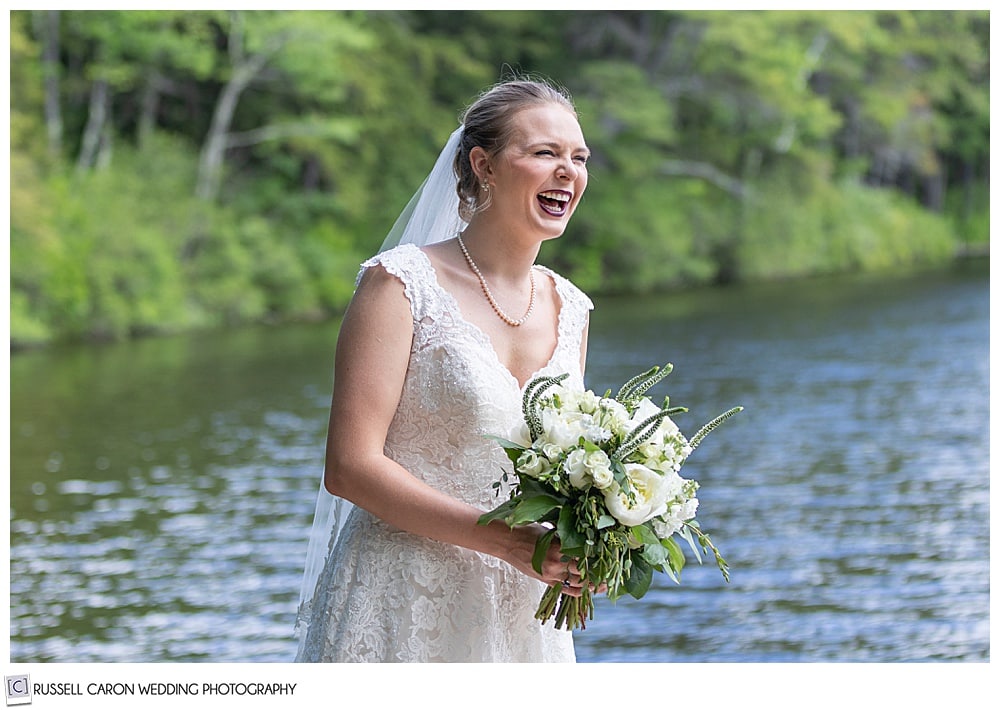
<point x="411" y="266"/>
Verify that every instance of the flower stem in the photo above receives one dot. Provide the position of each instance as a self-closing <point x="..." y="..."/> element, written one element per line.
<point x="570" y="612"/>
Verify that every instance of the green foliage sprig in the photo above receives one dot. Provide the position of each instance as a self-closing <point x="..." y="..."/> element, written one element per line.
<point x="529" y="402"/>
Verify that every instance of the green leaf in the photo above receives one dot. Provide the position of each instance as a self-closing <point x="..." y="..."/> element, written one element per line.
<point x="656" y="555"/>
<point x="512" y="449"/>
<point x="500" y="512"/>
<point x="572" y="541"/>
<point x="541" y="550"/>
<point x="675" y="553"/>
<point x="531" y="488"/>
<point x="605" y="521"/>
<point x="685" y="534"/>
<point x="531" y="510"/>
<point x="507" y="443"/>
<point x="639" y="578"/>
<point x="644" y="534"/>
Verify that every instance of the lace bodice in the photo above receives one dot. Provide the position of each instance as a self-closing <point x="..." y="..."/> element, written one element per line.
<point x="388" y="595"/>
<point x="457" y="390"/>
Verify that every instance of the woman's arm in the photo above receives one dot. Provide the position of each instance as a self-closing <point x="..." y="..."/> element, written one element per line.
<point x="372" y="356"/>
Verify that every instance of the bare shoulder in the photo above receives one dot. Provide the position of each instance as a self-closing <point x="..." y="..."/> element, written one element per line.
<point x="379" y="289"/>
<point x="378" y="318"/>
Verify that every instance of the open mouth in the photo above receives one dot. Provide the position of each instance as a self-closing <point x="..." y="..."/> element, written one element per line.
<point x="555" y="202"/>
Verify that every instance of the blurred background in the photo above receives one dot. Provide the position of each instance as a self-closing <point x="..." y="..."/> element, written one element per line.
<point x="791" y="207"/>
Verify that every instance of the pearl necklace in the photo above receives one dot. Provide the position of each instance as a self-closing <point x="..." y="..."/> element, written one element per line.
<point x="489" y="295"/>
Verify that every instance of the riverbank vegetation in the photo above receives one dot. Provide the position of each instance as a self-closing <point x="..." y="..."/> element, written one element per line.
<point x="173" y="170"/>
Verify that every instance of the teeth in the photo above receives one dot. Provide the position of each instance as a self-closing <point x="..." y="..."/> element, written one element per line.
<point x="558" y="196"/>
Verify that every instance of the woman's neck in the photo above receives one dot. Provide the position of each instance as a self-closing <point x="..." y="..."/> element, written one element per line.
<point x="500" y="254"/>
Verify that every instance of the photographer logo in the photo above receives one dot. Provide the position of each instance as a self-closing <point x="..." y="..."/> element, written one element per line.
<point x="18" y="689"/>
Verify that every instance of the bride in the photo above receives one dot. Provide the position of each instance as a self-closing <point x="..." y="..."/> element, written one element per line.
<point x="447" y="325"/>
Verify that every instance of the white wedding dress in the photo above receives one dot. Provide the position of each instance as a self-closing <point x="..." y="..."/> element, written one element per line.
<point x="386" y="595"/>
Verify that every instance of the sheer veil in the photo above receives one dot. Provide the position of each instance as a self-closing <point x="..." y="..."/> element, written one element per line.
<point x="430" y="216"/>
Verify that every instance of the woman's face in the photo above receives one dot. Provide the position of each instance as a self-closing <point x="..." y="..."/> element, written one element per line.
<point x="539" y="178"/>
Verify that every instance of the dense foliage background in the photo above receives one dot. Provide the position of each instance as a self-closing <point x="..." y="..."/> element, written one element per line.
<point x="174" y="169"/>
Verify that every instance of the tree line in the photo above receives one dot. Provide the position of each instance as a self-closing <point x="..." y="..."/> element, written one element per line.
<point x="173" y="170"/>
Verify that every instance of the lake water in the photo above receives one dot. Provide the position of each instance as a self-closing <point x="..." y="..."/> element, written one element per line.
<point x="162" y="490"/>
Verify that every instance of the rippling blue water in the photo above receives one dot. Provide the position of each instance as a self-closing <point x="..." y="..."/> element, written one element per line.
<point x="161" y="491"/>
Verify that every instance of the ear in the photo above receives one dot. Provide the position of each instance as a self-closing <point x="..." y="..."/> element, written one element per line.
<point x="480" y="161"/>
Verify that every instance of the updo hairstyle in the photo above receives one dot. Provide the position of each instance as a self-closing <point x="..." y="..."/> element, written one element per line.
<point x="489" y="124"/>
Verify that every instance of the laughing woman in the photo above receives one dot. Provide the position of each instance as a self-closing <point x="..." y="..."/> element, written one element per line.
<point x="447" y="325"/>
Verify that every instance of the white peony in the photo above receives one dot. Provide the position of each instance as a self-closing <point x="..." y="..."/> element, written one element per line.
<point x="643" y="411"/>
<point x="563" y="429"/>
<point x="568" y="398"/>
<point x="651" y="495"/>
<point x="646" y="409"/>
<point x="520" y="434"/>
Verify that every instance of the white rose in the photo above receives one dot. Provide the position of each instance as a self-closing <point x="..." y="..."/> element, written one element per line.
<point x="551" y="451"/>
<point x="650" y="494"/>
<point x="531" y="464"/>
<point x="576" y="468"/>
<point x="599" y="466"/>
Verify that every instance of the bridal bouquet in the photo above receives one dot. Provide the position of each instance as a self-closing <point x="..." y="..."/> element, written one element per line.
<point x="603" y="474"/>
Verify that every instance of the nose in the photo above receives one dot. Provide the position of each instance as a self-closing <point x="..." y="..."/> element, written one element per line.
<point x="567" y="170"/>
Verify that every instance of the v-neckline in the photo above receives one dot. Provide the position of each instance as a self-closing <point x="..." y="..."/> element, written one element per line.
<point x="485" y="339"/>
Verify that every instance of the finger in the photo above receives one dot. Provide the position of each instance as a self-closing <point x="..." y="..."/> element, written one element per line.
<point x="572" y="590"/>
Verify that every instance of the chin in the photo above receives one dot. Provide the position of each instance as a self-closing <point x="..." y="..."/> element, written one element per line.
<point x="554" y="231"/>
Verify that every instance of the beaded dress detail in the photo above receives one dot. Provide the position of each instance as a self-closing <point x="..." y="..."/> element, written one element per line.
<point x="386" y="595"/>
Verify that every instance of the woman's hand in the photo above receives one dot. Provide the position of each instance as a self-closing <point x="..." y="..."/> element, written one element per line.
<point x="556" y="567"/>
